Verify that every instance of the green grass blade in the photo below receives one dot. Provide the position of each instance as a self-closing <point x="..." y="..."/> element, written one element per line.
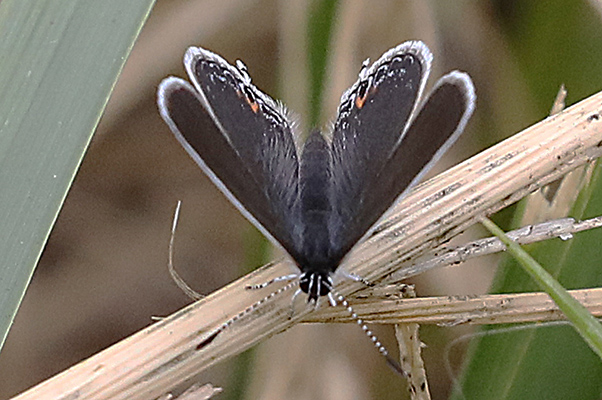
<point x="320" y="26"/>
<point x="60" y="61"/>
<point x="584" y="322"/>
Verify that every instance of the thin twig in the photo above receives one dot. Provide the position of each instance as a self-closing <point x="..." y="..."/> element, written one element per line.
<point x="410" y="355"/>
<point x="190" y="292"/>
<point x="563" y="228"/>
<point x="390" y="308"/>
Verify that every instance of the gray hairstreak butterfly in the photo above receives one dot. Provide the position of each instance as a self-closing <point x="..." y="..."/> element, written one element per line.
<point x="319" y="199"/>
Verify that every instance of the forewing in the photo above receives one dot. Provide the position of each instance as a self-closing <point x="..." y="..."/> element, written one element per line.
<point x="373" y="118"/>
<point x="239" y="137"/>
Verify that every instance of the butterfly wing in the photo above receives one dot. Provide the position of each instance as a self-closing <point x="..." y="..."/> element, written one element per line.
<point x="382" y="146"/>
<point x="238" y="135"/>
<point x="436" y="126"/>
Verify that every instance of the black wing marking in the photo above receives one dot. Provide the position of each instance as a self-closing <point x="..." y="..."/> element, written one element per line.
<point x="373" y="117"/>
<point x="238" y="135"/>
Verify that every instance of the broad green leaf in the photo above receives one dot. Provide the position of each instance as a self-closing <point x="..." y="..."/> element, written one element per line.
<point x="60" y="61"/>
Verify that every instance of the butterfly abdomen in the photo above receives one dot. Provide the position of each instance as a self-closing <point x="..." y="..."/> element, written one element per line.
<point x="315" y="205"/>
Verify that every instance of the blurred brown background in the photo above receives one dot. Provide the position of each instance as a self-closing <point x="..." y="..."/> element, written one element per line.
<point x="103" y="274"/>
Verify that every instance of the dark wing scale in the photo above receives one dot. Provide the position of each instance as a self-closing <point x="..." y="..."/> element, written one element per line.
<point x="435" y="128"/>
<point x="373" y="117"/>
<point x="237" y="135"/>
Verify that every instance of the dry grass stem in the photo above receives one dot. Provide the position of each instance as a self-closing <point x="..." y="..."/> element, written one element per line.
<point x="410" y="356"/>
<point x="455" y="310"/>
<point x="563" y="228"/>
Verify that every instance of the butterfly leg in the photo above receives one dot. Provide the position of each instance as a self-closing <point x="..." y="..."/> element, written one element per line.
<point x="355" y="278"/>
<point x="274" y="280"/>
<point x="318" y="282"/>
<point x="297" y="292"/>
<point x="331" y="299"/>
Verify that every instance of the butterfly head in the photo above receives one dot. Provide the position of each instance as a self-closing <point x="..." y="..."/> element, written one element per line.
<point x="315" y="284"/>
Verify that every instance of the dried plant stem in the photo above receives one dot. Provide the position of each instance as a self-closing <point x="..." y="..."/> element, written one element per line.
<point x="456" y="310"/>
<point x="410" y="355"/>
<point x="562" y="228"/>
<point x="152" y="361"/>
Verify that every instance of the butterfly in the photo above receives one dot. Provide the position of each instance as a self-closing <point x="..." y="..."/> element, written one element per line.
<point x="317" y="199"/>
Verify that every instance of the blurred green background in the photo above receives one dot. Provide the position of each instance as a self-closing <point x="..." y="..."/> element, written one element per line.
<point x="103" y="273"/>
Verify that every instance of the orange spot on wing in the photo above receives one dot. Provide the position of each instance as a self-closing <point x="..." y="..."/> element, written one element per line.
<point x="360" y="101"/>
<point x="254" y="106"/>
